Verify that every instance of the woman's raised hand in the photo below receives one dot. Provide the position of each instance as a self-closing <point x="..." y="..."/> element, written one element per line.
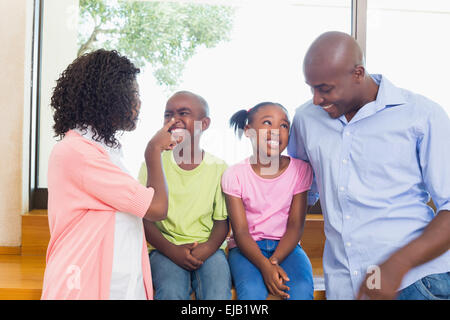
<point x="163" y="139"/>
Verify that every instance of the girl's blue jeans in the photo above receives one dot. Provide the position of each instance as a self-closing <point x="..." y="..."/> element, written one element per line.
<point x="248" y="280"/>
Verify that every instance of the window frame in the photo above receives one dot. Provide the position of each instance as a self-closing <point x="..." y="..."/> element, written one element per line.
<point x="38" y="196"/>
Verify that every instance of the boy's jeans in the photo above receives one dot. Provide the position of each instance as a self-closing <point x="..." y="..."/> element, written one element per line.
<point x="249" y="282"/>
<point x="212" y="281"/>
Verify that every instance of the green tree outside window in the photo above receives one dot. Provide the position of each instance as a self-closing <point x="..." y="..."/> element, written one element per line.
<point x="163" y="34"/>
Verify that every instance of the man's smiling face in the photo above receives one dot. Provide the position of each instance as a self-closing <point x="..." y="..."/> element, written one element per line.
<point x="333" y="90"/>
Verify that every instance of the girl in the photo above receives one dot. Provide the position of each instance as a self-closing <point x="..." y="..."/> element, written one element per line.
<point x="97" y="248"/>
<point x="266" y="200"/>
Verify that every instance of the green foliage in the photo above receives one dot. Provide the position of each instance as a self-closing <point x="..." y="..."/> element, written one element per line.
<point x="163" y="34"/>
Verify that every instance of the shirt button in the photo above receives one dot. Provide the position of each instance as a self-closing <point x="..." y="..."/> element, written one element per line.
<point x="344" y="161"/>
<point x="348" y="244"/>
<point x="341" y="188"/>
<point x="355" y="273"/>
<point x="347" y="217"/>
<point x="347" y="134"/>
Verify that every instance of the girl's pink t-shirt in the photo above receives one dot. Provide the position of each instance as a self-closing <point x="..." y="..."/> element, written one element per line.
<point x="266" y="201"/>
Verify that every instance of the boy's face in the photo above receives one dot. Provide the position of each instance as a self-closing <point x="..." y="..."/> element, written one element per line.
<point x="186" y="110"/>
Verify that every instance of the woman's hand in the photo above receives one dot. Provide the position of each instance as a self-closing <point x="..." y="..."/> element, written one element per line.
<point x="163" y="139"/>
<point x="275" y="278"/>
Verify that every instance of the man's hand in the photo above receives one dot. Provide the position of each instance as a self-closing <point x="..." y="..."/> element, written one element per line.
<point x="391" y="273"/>
<point x="434" y="241"/>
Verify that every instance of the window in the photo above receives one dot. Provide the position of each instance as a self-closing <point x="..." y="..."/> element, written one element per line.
<point x="259" y="58"/>
<point x="406" y="42"/>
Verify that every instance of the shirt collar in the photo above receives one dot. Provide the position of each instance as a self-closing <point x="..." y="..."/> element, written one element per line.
<point x="388" y="96"/>
<point x="88" y="133"/>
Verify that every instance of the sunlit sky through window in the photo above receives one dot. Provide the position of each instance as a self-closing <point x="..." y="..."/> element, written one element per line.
<point x="405" y="41"/>
<point x="261" y="62"/>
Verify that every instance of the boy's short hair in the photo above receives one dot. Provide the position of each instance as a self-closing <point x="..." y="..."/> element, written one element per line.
<point x="198" y="97"/>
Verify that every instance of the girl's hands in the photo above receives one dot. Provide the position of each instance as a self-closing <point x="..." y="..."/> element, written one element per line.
<point x="275" y="278"/>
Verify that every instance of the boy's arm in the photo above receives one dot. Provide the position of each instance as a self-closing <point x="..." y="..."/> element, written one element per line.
<point x="218" y="235"/>
<point x="179" y="254"/>
<point x="294" y="228"/>
<point x="154" y="236"/>
<point x="220" y="227"/>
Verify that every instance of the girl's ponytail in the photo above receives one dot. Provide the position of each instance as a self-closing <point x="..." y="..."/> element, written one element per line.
<point x="238" y="121"/>
<point x="244" y="117"/>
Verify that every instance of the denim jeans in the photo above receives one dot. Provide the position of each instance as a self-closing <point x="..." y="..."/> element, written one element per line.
<point x="212" y="281"/>
<point x="248" y="280"/>
<point x="432" y="287"/>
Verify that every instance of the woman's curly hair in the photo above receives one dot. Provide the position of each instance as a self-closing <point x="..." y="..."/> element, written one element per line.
<point x="97" y="90"/>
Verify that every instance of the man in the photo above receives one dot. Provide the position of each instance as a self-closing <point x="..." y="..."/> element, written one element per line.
<point x="378" y="153"/>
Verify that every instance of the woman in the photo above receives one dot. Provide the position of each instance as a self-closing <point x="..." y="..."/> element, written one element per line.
<point x="97" y="248"/>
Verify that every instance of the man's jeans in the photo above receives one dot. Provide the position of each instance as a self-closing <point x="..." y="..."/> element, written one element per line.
<point x="212" y="281"/>
<point x="432" y="287"/>
<point x="249" y="282"/>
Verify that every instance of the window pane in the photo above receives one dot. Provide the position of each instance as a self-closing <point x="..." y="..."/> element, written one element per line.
<point x="258" y="58"/>
<point x="58" y="49"/>
<point x="406" y="41"/>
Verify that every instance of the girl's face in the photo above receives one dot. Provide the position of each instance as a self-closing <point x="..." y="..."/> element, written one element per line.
<point x="269" y="130"/>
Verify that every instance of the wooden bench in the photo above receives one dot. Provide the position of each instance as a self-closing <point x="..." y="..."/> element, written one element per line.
<point x="22" y="268"/>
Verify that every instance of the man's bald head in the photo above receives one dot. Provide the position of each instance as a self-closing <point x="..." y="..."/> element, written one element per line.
<point x="334" y="69"/>
<point x="336" y="51"/>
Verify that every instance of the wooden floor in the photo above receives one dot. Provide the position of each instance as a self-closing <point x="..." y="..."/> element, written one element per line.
<point x="22" y="268"/>
<point x="21" y="277"/>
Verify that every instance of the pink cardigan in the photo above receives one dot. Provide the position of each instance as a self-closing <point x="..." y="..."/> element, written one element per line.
<point x="85" y="189"/>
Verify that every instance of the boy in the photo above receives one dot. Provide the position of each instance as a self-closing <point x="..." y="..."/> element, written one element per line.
<point x="187" y="248"/>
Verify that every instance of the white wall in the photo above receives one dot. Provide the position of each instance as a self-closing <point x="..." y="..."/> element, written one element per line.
<point x="15" y="26"/>
<point x="59" y="47"/>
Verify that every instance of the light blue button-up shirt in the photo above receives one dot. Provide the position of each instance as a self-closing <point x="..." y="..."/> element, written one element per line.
<point x="375" y="175"/>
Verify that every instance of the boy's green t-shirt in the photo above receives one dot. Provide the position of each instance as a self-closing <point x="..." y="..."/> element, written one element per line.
<point x="195" y="199"/>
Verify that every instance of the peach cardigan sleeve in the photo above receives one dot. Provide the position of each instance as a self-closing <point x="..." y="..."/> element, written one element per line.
<point x="85" y="190"/>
